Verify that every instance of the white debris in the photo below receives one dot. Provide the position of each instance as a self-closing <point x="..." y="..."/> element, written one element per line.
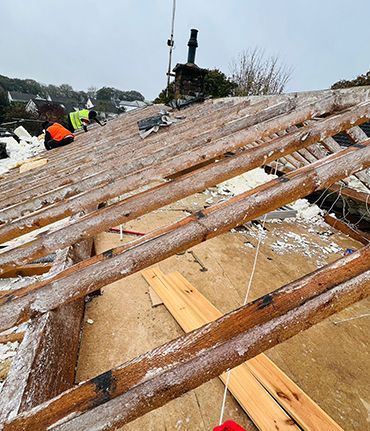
<point x="89" y="321"/>
<point x="244" y="182"/>
<point x="22" y="133"/>
<point x="19" y="151"/>
<point x="289" y="242"/>
<point x="307" y="212"/>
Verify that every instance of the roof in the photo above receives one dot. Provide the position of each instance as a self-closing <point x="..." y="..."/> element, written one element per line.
<point x="208" y="144"/>
<point x="17" y="96"/>
<point x="133" y="103"/>
<point x="68" y="104"/>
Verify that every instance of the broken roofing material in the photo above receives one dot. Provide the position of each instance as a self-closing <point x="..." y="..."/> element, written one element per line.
<point x="17" y="152"/>
<point x="183" y="157"/>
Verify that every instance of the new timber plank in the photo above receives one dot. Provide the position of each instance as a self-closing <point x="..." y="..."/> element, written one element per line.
<point x="301" y="407"/>
<point x="290" y="396"/>
<point x="261" y="408"/>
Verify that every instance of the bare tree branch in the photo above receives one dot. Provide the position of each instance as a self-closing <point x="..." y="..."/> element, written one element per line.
<point x="256" y="74"/>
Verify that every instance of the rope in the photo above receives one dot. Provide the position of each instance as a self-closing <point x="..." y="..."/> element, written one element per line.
<point x="250" y="281"/>
<point x="224" y="397"/>
<point x="245" y="301"/>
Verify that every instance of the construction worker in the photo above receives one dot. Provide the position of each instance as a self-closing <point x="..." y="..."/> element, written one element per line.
<point x="82" y="118"/>
<point x="56" y="135"/>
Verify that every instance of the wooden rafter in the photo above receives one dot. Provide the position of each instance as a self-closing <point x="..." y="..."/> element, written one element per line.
<point x="113" y="265"/>
<point x="195" y="181"/>
<point x="149" y="381"/>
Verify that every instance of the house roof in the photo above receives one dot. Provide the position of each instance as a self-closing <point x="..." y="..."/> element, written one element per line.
<point x="213" y="141"/>
<point x="133" y="103"/>
<point x="68" y="105"/>
<point x="17" y="96"/>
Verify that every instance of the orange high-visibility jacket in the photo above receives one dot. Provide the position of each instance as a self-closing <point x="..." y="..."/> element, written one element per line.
<point x="58" y="132"/>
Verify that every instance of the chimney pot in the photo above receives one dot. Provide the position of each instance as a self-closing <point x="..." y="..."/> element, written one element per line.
<point x="193" y="45"/>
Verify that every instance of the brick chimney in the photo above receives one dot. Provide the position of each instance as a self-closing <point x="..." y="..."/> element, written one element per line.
<point x="189" y="78"/>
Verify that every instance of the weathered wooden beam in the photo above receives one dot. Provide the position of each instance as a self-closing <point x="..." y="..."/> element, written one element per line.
<point x="112" y="265"/>
<point x="137" y="205"/>
<point x="27" y="270"/>
<point x="151" y="380"/>
<point x="108" y="173"/>
<point x="347" y="230"/>
<point x="83" y="154"/>
<point x="206" y="151"/>
<point x="350" y="193"/>
<point x="356" y="134"/>
<point x="47" y="357"/>
<point x="219" y="138"/>
<point x="89" y="151"/>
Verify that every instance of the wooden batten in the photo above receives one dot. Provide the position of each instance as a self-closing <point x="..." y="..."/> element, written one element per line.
<point x="355" y="234"/>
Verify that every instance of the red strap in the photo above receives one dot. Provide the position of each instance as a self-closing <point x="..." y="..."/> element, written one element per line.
<point x="229" y="426"/>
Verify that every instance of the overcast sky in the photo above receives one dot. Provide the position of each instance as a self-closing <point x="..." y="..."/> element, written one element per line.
<point x="122" y="43"/>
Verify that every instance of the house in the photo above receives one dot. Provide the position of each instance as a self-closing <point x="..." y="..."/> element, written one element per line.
<point x="69" y="104"/>
<point x="129" y="105"/>
<point x="45" y="108"/>
<point x="19" y="97"/>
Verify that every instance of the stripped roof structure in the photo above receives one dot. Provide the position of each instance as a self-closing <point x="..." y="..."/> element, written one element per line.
<point x="111" y="176"/>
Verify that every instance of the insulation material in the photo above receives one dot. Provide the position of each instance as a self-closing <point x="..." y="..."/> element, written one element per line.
<point x="249" y="180"/>
<point x="19" y="151"/>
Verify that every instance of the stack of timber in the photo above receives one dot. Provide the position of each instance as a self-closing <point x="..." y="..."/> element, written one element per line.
<point x="267" y="395"/>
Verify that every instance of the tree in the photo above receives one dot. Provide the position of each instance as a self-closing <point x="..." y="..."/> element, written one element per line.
<point x="105" y="93"/>
<point x="66" y="90"/>
<point x="357" y="82"/>
<point x="217" y="84"/>
<point x="256" y="74"/>
<point x="110" y="93"/>
<point x="131" y="95"/>
<point x="54" y="91"/>
<point x="162" y="96"/>
<point x="91" y="91"/>
<point x="4" y="102"/>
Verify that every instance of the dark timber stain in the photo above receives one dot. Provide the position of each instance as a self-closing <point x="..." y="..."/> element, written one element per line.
<point x="199" y="214"/>
<point x="283" y="179"/>
<point x="104" y="385"/>
<point x="266" y="301"/>
<point x="108" y="253"/>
